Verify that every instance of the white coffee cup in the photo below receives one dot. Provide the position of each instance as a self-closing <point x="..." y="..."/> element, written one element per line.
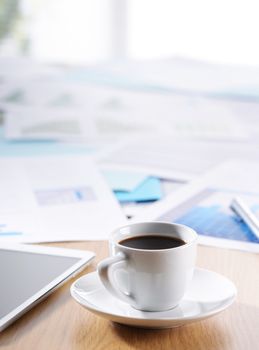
<point x="149" y="279"/>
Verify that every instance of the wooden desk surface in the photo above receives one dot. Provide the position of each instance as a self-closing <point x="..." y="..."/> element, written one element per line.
<point x="60" y="323"/>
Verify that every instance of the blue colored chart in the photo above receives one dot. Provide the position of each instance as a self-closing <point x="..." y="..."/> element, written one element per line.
<point x="208" y="213"/>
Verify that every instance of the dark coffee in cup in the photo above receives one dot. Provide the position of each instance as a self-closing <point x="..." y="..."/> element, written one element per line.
<point x="157" y="259"/>
<point x="152" y="242"/>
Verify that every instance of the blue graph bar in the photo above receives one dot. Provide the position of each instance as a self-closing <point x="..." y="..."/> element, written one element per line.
<point x="212" y="221"/>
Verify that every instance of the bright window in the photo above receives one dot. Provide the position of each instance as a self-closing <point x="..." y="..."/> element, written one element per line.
<point x="83" y="31"/>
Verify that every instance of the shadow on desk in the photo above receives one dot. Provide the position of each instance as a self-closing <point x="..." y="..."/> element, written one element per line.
<point x="60" y="323"/>
<point x="224" y="332"/>
<point x="186" y="337"/>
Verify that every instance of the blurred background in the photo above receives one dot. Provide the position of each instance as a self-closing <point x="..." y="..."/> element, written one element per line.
<point x="168" y="88"/>
<point x="85" y="31"/>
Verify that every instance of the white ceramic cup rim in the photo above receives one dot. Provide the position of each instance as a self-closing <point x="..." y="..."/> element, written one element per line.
<point x="116" y="235"/>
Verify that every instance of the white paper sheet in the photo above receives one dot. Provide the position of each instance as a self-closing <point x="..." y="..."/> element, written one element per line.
<point x="190" y="76"/>
<point x="55" y="199"/>
<point x="180" y="75"/>
<point x="204" y="205"/>
<point x="174" y="158"/>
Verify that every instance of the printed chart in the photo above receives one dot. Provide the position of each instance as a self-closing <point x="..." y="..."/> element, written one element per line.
<point x="209" y="214"/>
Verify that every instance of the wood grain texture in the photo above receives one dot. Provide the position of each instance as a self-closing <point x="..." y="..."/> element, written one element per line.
<point x="60" y="323"/>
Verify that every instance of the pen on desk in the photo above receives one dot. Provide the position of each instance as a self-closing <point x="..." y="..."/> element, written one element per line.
<point x="244" y="212"/>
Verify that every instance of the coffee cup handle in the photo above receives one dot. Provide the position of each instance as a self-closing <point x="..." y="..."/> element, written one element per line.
<point x="106" y="270"/>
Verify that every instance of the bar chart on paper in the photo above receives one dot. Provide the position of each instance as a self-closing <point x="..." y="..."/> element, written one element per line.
<point x="209" y="214"/>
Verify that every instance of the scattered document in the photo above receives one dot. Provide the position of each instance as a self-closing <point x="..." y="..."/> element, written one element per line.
<point x="47" y="110"/>
<point x="149" y="190"/>
<point x="123" y="180"/>
<point x="177" y="158"/>
<point x="55" y="199"/>
<point x="136" y="190"/>
<point x="38" y="148"/>
<point x="204" y="205"/>
<point x="185" y="76"/>
<point x="134" y="112"/>
<point x="38" y="123"/>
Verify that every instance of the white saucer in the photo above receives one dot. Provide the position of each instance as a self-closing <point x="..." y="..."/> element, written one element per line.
<point x="209" y="294"/>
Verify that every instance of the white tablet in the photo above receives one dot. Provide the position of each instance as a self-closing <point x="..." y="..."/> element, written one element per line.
<point x="29" y="273"/>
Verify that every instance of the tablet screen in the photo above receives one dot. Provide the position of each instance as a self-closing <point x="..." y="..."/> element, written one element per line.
<point x="22" y="274"/>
